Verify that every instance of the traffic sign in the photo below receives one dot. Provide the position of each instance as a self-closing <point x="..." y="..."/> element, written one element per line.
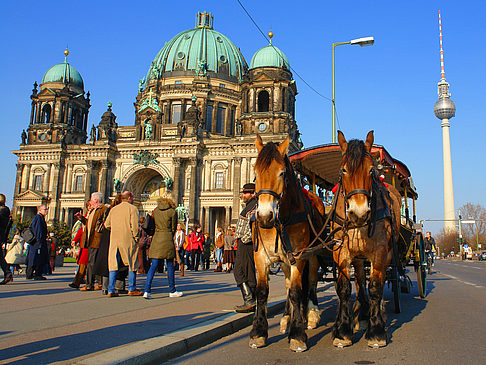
<point x="469" y="221"/>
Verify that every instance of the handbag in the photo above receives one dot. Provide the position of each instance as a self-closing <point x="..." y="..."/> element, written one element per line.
<point x="149" y="225"/>
<point x="28" y="236"/>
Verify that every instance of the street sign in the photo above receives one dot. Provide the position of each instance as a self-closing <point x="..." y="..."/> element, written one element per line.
<point x="470" y="221"/>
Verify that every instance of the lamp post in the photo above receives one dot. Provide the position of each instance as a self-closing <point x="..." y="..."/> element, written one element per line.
<point x="362" y="42"/>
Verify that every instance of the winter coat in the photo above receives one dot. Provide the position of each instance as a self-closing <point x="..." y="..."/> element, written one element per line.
<point x="122" y="221"/>
<point x="162" y="246"/>
<point x="14" y="251"/>
<point x="38" y="254"/>
<point x="229" y="242"/>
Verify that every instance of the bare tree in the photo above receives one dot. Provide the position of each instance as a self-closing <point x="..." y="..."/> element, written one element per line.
<point x="474" y="233"/>
<point x="447" y="242"/>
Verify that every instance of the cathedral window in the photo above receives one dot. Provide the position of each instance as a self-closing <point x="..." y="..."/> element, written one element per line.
<point x="176" y="113"/>
<point x="232" y="122"/>
<point x="38" y="182"/>
<point x="219" y="180"/>
<point x="263" y="101"/>
<point x="284" y="93"/>
<point x="79" y="183"/>
<point x="220" y="119"/>
<point x="46" y="113"/>
<point x="209" y="117"/>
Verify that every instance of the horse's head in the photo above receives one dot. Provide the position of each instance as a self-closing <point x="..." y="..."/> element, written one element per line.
<point x="270" y="180"/>
<point x="357" y="171"/>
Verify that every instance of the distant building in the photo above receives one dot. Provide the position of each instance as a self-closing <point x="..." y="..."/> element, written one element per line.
<point x="197" y="113"/>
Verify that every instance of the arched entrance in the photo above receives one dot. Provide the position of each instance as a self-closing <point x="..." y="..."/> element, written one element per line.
<point x="147" y="185"/>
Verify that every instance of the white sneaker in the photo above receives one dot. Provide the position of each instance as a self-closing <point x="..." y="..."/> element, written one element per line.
<point x="147" y="295"/>
<point x="176" y="294"/>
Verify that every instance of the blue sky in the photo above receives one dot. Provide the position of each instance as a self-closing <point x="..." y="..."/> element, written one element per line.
<point x="390" y="87"/>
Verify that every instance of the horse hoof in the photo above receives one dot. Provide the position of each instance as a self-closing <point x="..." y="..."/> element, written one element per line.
<point x="257" y="342"/>
<point x="341" y="343"/>
<point x="283" y="324"/>
<point x="376" y="343"/>
<point x="297" y="346"/>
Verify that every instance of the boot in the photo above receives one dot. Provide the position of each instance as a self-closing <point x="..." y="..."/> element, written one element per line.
<point x="219" y="267"/>
<point x="249" y="302"/>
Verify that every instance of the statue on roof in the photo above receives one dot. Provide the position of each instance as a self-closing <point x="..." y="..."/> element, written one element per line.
<point x="93" y="134"/>
<point x="24" y="137"/>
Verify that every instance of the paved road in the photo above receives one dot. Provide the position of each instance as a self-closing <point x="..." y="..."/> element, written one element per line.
<point x="447" y="327"/>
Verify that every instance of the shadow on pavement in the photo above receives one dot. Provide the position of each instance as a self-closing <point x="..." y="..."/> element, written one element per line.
<point x="67" y="347"/>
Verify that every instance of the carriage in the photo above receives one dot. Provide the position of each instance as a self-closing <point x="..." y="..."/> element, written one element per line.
<point x="319" y="169"/>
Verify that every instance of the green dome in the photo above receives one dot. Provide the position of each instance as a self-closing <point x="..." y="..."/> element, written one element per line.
<point x="199" y="51"/>
<point x="269" y="56"/>
<point x="65" y="73"/>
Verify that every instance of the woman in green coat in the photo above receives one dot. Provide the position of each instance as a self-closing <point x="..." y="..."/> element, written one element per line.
<point x="162" y="246"/>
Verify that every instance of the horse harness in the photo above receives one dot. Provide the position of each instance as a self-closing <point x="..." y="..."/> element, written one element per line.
<point x="379" y="210"/>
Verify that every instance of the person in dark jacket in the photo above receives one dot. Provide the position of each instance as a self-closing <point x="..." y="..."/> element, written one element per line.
<point x="244" y="262"/>
<point x="38" y="253"/>
<point x="162" y="245"/>
<point x="4" y="227"/>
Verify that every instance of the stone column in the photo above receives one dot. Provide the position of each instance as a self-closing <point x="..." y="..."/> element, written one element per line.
<point x="47" y="178"/>
<point x="18" y="178"/>
<point x="206" y="220"/>
<point x="207" y="174"/>
<point x="38" y="116"/>
<point x="227" y="219"/>
<point x="32" y="112"/>
<point x="215" y="117"/>
<point x="55" y="188"/>
<point x="87" y="184"/>
<point x="102" y="179"/>
<point x="26" y="177"/>
<point x="193" y="193"/>
<point x="176" y="161"/>
<point x="236" y="186"/>
<point x="69" y="178"/>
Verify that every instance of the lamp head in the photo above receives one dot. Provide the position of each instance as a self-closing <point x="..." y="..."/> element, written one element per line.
<point x="363" y="42"/>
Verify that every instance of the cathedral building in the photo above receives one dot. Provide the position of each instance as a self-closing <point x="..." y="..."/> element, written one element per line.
<point x="197" y="113"/>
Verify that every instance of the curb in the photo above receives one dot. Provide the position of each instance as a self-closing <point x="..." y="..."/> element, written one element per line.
<point x="163" y="348"/>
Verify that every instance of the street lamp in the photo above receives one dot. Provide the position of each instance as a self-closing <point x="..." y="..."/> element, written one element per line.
<point x="362" y="42"/>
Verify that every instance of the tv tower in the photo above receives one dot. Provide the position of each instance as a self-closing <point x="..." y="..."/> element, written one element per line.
<point x="445" y="109"/>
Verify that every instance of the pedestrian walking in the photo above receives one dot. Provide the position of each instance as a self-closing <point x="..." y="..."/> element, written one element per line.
<point x="5" y="224"/>
<point x="179" y="240"/>
<point x="122" y="222"/>
<point x="14" y="256"/>
<point x="229" y="249"/>
<point x="218" y="249"/>
<point x="206" y="254"/>
<point x="38" y="255"/>
<point x="162" y="246"/>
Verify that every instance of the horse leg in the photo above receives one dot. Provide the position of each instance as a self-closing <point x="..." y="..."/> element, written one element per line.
<point x="361" y="309"/>
<point x="313" y="315"/>
<point x="259" y="331"/>
<point x="341" y="333"/>
<point x="297" y="335"/>
<point x="376" y="333"/>
<point x="284" y="322"/>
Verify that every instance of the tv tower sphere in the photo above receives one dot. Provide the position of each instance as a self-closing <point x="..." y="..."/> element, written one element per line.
<point x="444" y="108"/>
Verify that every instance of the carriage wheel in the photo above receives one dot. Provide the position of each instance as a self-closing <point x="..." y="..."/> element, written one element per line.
<point x="422" y="269"/>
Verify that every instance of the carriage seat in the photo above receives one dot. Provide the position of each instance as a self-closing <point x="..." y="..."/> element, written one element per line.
<point x="316" y="202"/>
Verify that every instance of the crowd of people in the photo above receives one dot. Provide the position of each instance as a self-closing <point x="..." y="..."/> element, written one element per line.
<point x="112" y="244"/>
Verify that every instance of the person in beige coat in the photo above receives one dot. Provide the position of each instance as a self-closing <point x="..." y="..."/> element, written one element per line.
<point x="122" y="221"/>
<point x="14" y="253"/>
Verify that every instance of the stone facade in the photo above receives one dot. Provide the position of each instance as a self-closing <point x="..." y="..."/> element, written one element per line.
<point x="194" y="133"/>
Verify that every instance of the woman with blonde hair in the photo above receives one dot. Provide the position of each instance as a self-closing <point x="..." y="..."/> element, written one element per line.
<point x="162" y="246"/>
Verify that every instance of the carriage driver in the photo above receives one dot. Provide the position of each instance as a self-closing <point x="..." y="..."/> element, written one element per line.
<point x="244" y="270"/>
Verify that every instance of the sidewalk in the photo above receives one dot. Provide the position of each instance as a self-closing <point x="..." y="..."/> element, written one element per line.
<point x="48" y="322"/>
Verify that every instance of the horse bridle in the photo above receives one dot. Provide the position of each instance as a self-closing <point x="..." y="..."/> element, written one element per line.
<point x="367" y="193"/>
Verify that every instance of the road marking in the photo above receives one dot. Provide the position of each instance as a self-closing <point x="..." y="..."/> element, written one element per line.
<point x="463" y="282"/>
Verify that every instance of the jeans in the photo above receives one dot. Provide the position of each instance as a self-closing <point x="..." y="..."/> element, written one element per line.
<point x="218" y="255"/>
<point x="195" y="258"/>
<point x="132" y="281"/>
<point x="170" y="275"/>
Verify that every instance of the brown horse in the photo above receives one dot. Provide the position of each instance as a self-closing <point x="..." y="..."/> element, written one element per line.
<point x="281" y="229"/>
<point x="368" y="213"/>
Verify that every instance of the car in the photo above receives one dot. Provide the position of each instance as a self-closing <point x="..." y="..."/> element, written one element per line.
<point x="482" y="256"/>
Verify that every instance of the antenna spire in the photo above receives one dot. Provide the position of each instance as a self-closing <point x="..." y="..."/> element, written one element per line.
<point x="442" y="72"/>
